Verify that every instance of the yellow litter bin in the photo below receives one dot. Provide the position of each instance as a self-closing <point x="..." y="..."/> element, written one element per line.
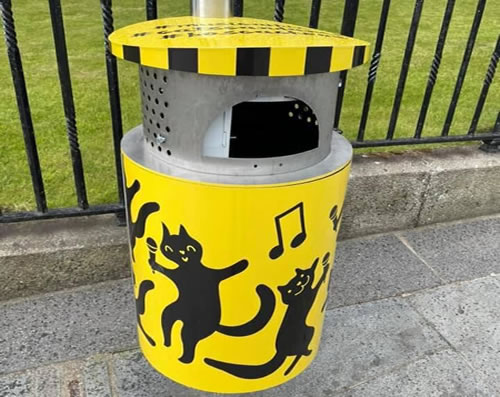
<point x="235" y="186"/>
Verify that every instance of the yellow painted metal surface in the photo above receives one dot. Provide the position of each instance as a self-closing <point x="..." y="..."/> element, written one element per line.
<point x="231" y="281"/>
<point x="236" y="47"/>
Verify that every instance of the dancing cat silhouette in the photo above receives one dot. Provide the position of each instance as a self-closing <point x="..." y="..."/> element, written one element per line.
<point x="294" y="335"/>
<point x="198" y="305"/>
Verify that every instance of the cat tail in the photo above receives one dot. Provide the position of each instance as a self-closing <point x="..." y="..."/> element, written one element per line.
<point x="139" y="225"/>
<point x="267" y="305"/>
<point x="249" y="371"/>
<point x="140" y="304"/>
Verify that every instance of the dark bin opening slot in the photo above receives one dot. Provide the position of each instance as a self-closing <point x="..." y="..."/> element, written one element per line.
<point x="263" y="128"/>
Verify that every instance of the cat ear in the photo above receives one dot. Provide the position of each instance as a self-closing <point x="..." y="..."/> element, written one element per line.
<point x="298" y="271"/>
<point x="281" y="288"/>
<point x="314" y="264"/>
<point x="165" y="230"/>
<point x="183" y="232"/>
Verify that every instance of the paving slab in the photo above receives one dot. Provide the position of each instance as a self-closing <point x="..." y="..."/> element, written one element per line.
<point x="359" y="342"/>
<point x="462" y="251"/>
<point x="96" y="378"/>
<point x="77" y="378"/>
<point x="374" y="268"/>
<point x="463" y="311"/>
<point x="444" y="373"/>
<point x="134" y="377"/>
<point x="16" y="385"/>
<point x="71" y="383"/>
<point x="485" y="358"/>
<point x="467" y="315"/>
<point x="67" y="325"/>
<point x="47" y="381"/>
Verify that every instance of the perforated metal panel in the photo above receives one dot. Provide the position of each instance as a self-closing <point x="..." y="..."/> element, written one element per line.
<point x="155" y="109"/>
<point x="178" y="108"/>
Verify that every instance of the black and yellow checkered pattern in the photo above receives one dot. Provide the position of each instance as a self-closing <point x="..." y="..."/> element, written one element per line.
<point x="263" y="61"/>
<point x="236" y="47"/>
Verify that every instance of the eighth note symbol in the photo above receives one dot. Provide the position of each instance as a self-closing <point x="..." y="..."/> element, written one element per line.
<point x="335" y="217"/>
<point x="277" y="251"/>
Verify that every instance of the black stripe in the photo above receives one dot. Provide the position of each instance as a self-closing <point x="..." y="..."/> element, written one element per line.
<point x="359" y="55"/>
<point x="253" y="61"/>
<point x="131" y="53"/>
<point x="185" y="59"/>
<point x="318" y="60"/>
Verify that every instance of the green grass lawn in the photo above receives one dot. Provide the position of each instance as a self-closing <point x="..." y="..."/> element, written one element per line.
<point x="85" y="46"/>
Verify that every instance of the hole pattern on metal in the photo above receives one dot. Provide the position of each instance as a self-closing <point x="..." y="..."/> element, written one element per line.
<point x="155" y="102"/>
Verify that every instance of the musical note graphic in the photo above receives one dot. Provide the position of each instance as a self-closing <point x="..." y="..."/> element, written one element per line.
<point x="278" y="250"/>
<point x="335" y="218"/>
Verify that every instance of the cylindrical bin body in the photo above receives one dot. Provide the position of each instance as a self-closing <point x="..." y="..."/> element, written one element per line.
<point x="231" y="279"/>
<point x="235" y="186"/>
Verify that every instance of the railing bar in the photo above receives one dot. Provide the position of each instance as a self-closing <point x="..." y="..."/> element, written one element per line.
<point x="418" y="141"/>
<point x="68" y="103"/>
<point x="114" y="94"/>
<point x="315" y="12"/>
<point x="238" y="8"/>
<point x="486" y="86"/>
<point x="463" y="68"/>
<point x="62" y="213"/>
<point x="279" y="10"/>
<point x="434" y="70"/>
<point x="151" y="9"/>
<point x="347" y="29"/>
<point x="412" y="35"/>
<point x="372" y="71"/>
<point x="16" y="68"/>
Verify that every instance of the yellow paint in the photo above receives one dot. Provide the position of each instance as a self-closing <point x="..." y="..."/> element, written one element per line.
<point x="287" y="61"/>
<point x="341" y="59"/>
<point x="154" y="57"/>
<point x="214" y="37"/>
<point x="233" y="222"/>
<point x="117" y="50"/>
<point x="217" y="61"/>
<point x="193" y="32"/>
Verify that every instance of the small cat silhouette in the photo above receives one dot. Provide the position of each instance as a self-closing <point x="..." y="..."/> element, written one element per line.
<point x="198" y="305"/>
<point x="294" y="335"/>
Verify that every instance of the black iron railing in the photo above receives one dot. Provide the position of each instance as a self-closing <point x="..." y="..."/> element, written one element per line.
<point x="491" y="140"/>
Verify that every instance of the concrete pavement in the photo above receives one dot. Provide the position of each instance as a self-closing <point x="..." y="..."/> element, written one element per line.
<point x="412" y="313"/>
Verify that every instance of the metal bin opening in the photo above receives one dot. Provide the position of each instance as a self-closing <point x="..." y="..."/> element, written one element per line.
<point x="262" y="128"/>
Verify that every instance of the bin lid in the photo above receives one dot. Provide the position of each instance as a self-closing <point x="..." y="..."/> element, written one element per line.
<point x="236" y="47"/>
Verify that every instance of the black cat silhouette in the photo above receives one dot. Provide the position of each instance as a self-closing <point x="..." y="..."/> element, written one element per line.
<point x="140" y="304"/>
<point x="198" y="305"/>
<point x="294" y="335"/>
<point x="136" y="229"/>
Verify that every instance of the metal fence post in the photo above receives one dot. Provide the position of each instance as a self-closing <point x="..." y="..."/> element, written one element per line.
<point x="114" y="102"/>
<point x="348" y="26"/>
<point x="23" y="104"/>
